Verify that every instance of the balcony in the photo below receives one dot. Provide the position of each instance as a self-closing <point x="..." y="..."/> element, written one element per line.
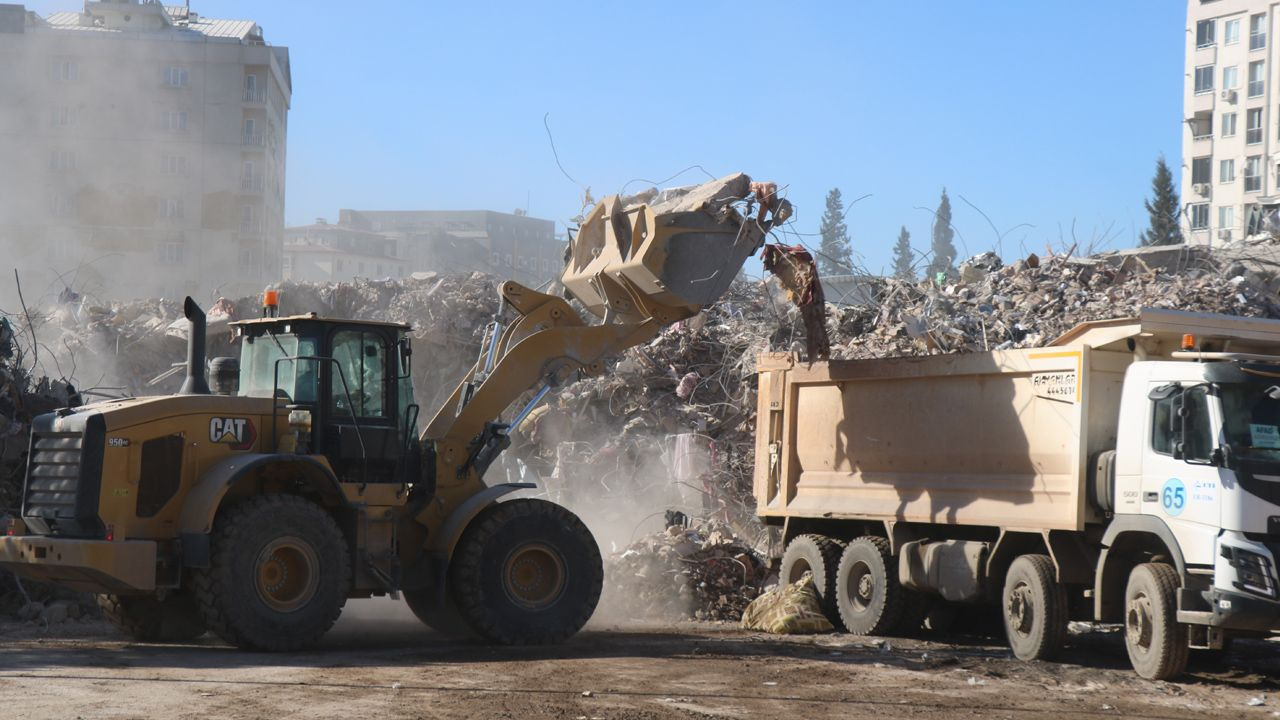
<point x="257" y="96"/>
<point x="254" y="139"/>
<point x="252" y="183"/>
<point x="250" y="228"/>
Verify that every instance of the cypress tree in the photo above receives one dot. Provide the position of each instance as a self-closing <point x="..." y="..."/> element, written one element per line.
<point x="903" y="265"/>
<point x="943" y="263"/>
<point x="1163" y="209"/>
<point x="835" y="254"/>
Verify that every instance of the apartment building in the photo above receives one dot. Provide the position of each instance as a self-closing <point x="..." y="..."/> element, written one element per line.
<point x="1231" y="142"/>
<point x="508" y="245"/>
<point x="144" y="151"/>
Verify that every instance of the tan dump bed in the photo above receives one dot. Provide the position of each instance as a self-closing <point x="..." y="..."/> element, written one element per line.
<point x="998" y="439"/>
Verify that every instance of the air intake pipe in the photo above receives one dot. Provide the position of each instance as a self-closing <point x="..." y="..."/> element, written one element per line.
<point x="195" y="383"/>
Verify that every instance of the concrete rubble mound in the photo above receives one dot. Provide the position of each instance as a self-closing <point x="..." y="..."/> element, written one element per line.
<point x="695" y="379"/>
<point x="702" y="573"/>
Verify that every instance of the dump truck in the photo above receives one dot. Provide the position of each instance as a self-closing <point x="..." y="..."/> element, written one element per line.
<point x="255" y="505"/>
<point x="1128" y="472"/>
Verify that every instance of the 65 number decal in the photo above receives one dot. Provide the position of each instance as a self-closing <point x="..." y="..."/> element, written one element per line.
<point x="1173" y="498"/>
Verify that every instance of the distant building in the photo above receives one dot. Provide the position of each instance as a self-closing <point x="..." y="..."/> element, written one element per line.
<point x="508" y="245"/>
<point x="1231" y="140"/>
<point x="143" y="150"/>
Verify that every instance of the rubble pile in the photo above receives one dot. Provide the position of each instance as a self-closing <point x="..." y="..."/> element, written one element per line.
<point x="703" y="573"/>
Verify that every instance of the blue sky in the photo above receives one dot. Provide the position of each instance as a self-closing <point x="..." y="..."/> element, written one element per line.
<point x="1046" y="114"/>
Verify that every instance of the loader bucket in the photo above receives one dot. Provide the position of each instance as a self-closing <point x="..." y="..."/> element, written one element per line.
<point x="662" y="255"/>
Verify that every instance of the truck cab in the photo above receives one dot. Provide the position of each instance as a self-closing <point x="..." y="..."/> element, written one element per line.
<point x="1198" y="458"/>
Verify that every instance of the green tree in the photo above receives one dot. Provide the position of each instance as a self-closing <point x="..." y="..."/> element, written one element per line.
<point x="943" y="250"/>
<point x="1163" y="209"/>
<point x="835" y="255"/>
<point x="903" y="261"/>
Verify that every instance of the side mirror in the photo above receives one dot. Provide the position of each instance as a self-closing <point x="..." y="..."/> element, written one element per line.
<point x="405" y="346"/>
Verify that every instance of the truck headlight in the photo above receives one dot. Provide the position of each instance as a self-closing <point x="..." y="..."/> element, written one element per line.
<point x="1253" y="570"/>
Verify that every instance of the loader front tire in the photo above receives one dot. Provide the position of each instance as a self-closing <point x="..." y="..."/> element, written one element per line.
<point x="526" y="572"/>
<point x="149" y="619"/>
<point x="278" y="575"/>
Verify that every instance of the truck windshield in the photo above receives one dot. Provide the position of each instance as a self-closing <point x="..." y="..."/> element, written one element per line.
<point x="297" y="379"/>
<point x="1251" y="419"/>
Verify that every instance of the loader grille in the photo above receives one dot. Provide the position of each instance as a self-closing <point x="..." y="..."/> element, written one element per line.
<point x="64" y="475"/>
<point x="53" y="473"/>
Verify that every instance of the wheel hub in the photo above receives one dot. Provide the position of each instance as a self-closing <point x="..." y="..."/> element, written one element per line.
<point x="287" y="574"/>
<point x="862" y="587"/>
<point x="1138" y="624"/>
<point x="534" y="576"/>
<point x="1021" y="609"/>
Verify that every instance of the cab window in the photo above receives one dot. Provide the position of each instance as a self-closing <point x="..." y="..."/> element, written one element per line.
<point x="1163" y="436"/>
<point x="362" y="359"/>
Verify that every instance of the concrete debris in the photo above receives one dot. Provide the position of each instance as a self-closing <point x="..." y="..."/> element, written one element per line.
<point x="705" y="573"/>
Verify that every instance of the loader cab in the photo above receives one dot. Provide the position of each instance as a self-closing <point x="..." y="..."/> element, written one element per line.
<point x="342" y="389"/>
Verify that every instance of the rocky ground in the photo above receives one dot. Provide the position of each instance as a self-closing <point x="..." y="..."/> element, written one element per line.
<point x="379" y="662"/>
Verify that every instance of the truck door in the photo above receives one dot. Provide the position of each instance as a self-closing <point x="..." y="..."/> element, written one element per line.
<point x="1180" y="482"/>
<point x="361" y="433"/>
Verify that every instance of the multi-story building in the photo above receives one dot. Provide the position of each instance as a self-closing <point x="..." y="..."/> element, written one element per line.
<point x="143" y="150"/>
<point x="1231" y="142"/>
<point x="508" y="245"/>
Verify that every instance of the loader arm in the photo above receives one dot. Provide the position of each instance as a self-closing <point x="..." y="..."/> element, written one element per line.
<point x="638" y="266"/>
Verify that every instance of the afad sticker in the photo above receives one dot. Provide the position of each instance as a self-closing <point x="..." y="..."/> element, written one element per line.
<point x="239" y="433"/>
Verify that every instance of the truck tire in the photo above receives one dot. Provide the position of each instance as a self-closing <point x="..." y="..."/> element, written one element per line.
<point x="1035" y="609"/>
<point x="146" y="618"/>
<point x="526" y="572"/>
<point x="1155" y="640"/>
<point x="867" y="592"/>
<point x="819" y="555"/>
<point x="278" y="574"/>
<point x="445" y="620"/>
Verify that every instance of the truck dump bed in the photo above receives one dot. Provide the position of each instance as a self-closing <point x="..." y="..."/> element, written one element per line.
<point x="1001" y="439"/>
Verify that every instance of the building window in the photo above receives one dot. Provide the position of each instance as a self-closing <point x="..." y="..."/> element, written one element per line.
<point x="1231" y="32"/>
<point x="1204" y="33"/>
<point x="61" y="205"/>
<point x="247" y="224"/>
<point x="62" y="116"/>
<point x="64" y="71"/>
<point x="1227" y="171"/>
<point x="1202" y="125"/>
<point x="495" y="260"/>
<point x="1201" y="169"/>
<point x="1226" y="216"/>
<point x="248" y="258"/>
<point x="174" y="120"/>
<point x="1253" y="173"/>
<point x="1257" y="31"/>
<point x="1204" y="79"/>
<point x="1228" y="124"/>
<point x="1230" y="77"/>
<point x="173" y="164"/>
<point x="1253" y="126"/>
<point x="62" y="161"/>
<point x="507" y="258"/>
<point x="1257" y="80"/>
<point x="175" y="76"/>
<point x="337" y="266"/>
<point x="171" y="251"/>
<point x="171" y="208"/>
<point x="1199" y="215"/>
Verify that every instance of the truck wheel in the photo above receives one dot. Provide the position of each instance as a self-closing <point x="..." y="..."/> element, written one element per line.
<point x="526" y="572"/>
<point x="870" y="599"/>
<point x="1035" y="609"/>
<point x="1156" y="642"/>
<point x="278" y="574"/>
<point x="819" y="555"/>
<point x="146" y="618"/>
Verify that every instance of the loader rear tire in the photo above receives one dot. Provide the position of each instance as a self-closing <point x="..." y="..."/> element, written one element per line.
<point x="871" y="599"/>
<point x="445" y="620"/>
<point x="820" y="555"/>
<point x="146" y="618"/>
<point x="278" y="576"/>
<point x="526" y="572"/>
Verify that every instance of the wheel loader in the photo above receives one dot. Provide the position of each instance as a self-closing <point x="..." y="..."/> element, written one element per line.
<point x="255" y="505"/>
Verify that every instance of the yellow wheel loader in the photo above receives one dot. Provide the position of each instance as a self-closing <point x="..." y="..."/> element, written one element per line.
<point x="255" y="505"/>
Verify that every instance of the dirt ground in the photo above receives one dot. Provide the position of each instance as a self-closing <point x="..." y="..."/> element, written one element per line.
<point x="378" y="662"/>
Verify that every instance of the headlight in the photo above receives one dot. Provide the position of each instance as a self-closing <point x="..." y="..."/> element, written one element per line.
<point x="1253" y="571"/>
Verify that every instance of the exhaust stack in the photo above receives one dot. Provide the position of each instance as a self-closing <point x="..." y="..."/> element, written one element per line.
<point x="195" y="383"/>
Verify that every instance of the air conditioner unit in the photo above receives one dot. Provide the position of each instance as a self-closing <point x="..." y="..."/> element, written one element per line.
<point x="1224" y="234"/>
<point x="1201" y="189"/>
<point x="1229" y="95"/>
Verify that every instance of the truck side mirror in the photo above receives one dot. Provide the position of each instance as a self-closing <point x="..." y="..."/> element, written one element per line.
<point x="405" y="348"/>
